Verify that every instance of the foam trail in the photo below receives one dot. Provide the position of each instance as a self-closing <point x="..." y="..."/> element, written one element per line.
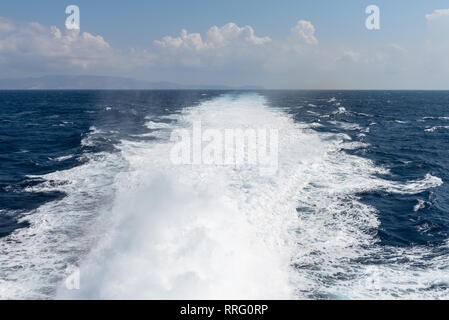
<point x="201" y="231"/>
<point x="61" y="232"/>
<point x="141" y="227"/>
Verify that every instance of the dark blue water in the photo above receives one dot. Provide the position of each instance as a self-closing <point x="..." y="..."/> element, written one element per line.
<point x="408" y="134"/>
<point x="38" y="129"/>
<point x="404" y="132"/>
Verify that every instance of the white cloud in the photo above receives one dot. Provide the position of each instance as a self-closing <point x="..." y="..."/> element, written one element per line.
<point x="437" y="41"/>
<point x="33" y="41"/>
<point x="438" y="14"/>
<point x="349" y="56"/>
<point x="304" y="31"/>
<point x="229" y="35"/>
<point x="190" y="41"/>
<point x="232" y="54"/>
<point x="6" y="25"/>
<point x="225" y="45"/>
<point x="41" y="49"/>
<point x="33" y="48"/>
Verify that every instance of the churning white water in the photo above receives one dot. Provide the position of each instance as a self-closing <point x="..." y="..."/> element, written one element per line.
<point x="141" y="227"/>
<point x="202" y="231"/>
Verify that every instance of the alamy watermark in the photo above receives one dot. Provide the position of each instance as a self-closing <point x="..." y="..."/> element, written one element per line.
<point x="372" y="22"/>
<point x="254" y="147"/>
<point x="73" y="20"/>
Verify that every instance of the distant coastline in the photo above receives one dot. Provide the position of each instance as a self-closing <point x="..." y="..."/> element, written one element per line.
<point x="59" y="82"/>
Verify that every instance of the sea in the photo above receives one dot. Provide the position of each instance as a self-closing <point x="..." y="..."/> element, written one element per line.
<point x="92" y="205"/>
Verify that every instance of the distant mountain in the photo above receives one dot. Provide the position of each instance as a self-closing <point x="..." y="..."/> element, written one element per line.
<point x="100" y="82"/>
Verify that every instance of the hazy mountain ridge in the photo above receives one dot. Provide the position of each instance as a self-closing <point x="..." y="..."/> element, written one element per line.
<point x="99" y="82"/>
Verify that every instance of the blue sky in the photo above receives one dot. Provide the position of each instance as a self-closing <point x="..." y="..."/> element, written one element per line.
<point x="127" y="23"/>
<point x="338" y="26"/>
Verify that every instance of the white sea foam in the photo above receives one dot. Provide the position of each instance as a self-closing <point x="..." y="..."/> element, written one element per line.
<point x="316" y="125"/>
<point x="433" y="118"/>
<point x="140" y="227"/>
<point x="62" y="158"/>
<point x="346" y="125"/>
<point x="202" y="232"/>
<point x="433" y="129"/>
<point x="413" y="187"/>
<point x="157" y="125"/>
<point x="61" y="232"/>
<point x="420" y="205"/>
<point x="340" y="110"/>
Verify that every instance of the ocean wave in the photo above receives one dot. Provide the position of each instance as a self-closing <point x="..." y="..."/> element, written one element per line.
<point x="157" y="125"/>
<point x="434" y="118"/>
<point x="433" y="129"/>
<point x="62" y="158"/>
<point x="140" y="227"/>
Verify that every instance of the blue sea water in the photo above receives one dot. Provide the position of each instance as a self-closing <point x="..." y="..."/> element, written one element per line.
<point x="359" y="208"/>
<point x="41" y="132"/>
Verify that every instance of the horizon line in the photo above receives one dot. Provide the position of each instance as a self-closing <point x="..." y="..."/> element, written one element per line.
<point x="221" y="89"/>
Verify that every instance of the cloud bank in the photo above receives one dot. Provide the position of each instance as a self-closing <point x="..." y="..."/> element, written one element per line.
<point x="233" y="55"/>
<point x="438" y="14"/>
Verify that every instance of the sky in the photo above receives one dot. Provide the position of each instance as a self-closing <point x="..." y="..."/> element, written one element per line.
<point x="321" y="44"/>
